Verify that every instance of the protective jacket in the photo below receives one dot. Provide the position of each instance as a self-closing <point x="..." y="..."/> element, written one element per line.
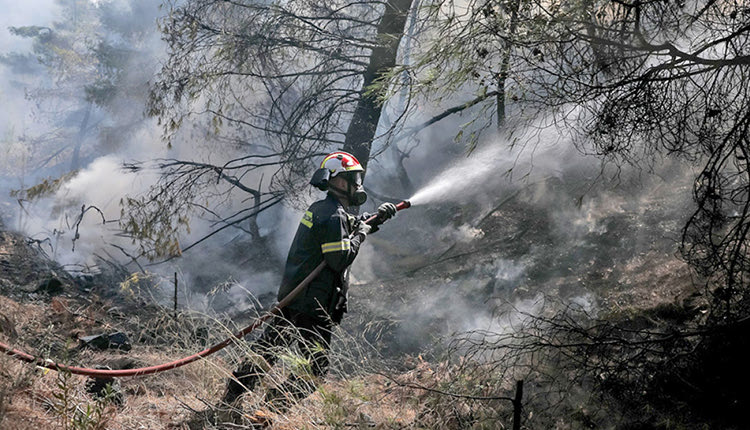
<point x="323" y="234"/>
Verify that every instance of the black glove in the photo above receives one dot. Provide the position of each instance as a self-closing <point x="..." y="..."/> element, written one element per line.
<point x="386" y="211"/>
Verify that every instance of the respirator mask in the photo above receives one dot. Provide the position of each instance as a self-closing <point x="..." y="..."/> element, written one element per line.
<point x="354" y="192"/>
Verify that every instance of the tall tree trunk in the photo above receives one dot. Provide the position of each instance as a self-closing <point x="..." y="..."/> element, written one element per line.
<point x="398" y="155"/>
<point x="364" y="123"/>
<point x="502" y="76"/>
<point x="253" y="221"/>
<point x="75" y="162"/>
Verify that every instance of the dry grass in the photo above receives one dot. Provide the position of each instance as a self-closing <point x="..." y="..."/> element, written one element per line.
<point x="361" y="391"/>
<point x="350" y="395"/>
<point x="27" y="393"/>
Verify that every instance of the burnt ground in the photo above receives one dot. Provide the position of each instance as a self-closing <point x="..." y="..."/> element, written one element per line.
<point x="611" y="253"/>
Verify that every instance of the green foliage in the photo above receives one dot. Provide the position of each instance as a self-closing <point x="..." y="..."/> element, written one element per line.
<point x="46" y="188"/>
<point x="72" y="414"/>
<point x="335" y="409"/>
<point x="32" y="31"/>
<point x="112" y="62"/>
<point x="356" y="389"/>
<point x="137" y="284"/>
<point x="154" y="224"/>
<point x="298" y="364"/>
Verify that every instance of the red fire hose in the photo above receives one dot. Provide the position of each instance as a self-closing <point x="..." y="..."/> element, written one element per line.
<point x="108" y="374"/>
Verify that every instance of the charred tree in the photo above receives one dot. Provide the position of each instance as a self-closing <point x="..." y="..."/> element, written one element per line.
<point x="502" y="75"/>
<point x="75" y="162"/>
<point x="364" y="123"/>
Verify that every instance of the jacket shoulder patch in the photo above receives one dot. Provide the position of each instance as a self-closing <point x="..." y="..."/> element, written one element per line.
<point x="307" y="219"/>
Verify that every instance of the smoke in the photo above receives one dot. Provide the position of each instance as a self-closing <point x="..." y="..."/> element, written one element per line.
<point x="462" y="234"/>
<point x="220" y="274"/>
<point x="35" y="12"/>
<point x="418" y="311"/>
<point x="493" y="234"/>
<point x="53" y="127"/>
<point x="497" y="163"/>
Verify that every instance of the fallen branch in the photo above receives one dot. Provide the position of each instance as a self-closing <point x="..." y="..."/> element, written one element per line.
<point x="77" y="224"/>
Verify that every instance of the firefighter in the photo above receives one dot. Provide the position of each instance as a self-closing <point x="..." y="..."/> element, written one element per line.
<point x="327" y="232"/>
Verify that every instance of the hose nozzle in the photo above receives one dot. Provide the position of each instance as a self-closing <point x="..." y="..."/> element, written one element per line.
<point x="406" y="204"/>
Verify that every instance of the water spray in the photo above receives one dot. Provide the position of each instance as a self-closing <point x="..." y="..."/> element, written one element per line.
<point x="477" y="173"/>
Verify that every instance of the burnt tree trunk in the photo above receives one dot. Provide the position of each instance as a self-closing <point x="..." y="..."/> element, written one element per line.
<point x="75" y="162"/>
<point x="502" y="76"/>
<point x="403" y="175"/>
<point x="366" y="116"/>
<point x="517" y="406"/>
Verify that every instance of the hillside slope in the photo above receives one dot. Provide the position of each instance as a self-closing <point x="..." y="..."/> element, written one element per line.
<point x="394" y="364"/>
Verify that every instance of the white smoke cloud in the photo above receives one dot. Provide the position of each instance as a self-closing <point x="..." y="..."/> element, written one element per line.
<point x="101" y="184"/>
<point x="473" y="183"/>
<point x="462" y="234"/>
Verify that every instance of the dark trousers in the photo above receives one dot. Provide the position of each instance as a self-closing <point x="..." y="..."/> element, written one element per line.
<point x="311" y="335"/>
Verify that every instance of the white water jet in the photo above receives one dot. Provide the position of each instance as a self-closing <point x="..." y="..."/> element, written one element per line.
<point x="461" y="176"/>
<point x="539" y="152"/>
<point x="476" y="173"/>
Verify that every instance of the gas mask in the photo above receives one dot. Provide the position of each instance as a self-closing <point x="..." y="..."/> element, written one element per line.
<point x="354" y="191"/>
